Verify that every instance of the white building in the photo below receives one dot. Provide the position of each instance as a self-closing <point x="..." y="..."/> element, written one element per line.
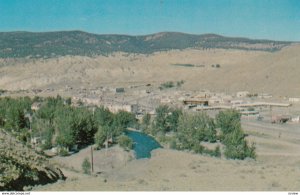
<point x="295" y="119"/>
<point x="294" y="99"/>
<point x="242" y="94"/>
<point x="133" y="108"/>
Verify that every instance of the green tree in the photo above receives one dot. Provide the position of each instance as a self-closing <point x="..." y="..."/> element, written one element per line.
<point x="63" y="122"/>
<point x="160" y="120"/>
<point x="101" y="135"/>
<point x="86" y="166"/>
<point x="49" y="108"/>
<point x="68" y="101"/>
<point x="233" y="137"/>
<point x="122" y="120"/>
<point x="146" y="119"/>
<point x="125" y="142"/>
<point x="146" y="123"/>
<point x="228" y="120"/>
<point x="13" y="113"/>
<point x="47" y="137"/>
<point x="194" y="128"/>
<point x="103" y="116"/>
<point x="83" y="126"/>
<point x="172" y="119"/>
<point x="237" y="147"/>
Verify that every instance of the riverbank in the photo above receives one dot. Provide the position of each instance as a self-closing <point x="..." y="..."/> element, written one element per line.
<point x="275" y="169"/>
<point x="104" y="160"/>
<point x="175" y="170"/>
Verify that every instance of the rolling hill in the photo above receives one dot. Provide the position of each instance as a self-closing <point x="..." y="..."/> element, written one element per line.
<point x="84" y="60"/>
<point x="54" y="44"/>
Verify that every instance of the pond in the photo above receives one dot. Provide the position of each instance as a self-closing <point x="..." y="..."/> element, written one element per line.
<point x="143" y="144"/>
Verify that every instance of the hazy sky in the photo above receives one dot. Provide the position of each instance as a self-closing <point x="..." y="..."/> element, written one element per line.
<point x="271" y="19"/>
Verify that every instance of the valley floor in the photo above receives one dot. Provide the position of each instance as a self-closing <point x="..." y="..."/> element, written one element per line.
<point x="277" y="167"/>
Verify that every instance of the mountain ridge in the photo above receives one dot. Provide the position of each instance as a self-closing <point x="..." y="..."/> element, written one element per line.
<point x="20" y="44"/>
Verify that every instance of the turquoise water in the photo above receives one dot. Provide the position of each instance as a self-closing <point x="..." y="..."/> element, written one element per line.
<point x="143" y="144"/>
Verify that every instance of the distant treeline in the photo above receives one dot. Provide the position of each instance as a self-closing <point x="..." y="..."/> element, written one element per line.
<point x="55" y="44"/>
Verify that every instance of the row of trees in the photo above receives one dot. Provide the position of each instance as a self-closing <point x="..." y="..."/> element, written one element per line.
<point x="14" y="116"/>
<point x="189" y="131"/>
<point x="171" y="84"/>
<point x="233" y="137"/>
<point x="58" y="123"/>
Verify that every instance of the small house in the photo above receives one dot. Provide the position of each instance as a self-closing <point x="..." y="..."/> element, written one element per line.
<point x="202" y="102"/>
<point x="242" y="94"/>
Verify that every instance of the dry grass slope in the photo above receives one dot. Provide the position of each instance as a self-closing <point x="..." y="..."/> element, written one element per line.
<point x="255" y="71"/>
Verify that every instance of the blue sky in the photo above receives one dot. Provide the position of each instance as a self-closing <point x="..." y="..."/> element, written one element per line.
<point x="265" y="19"/>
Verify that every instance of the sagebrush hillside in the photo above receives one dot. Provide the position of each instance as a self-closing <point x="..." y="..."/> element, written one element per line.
<point x="21" y="166"/>
<point x="53" y="44"/>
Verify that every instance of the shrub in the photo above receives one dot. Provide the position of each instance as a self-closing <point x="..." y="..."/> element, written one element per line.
<point x="216" y="152"/>
<point x="146" y="121"/>
<point x="86" y="166"/>
<point x="194" y="128"/>
<point x="173" y="144"/>
<point x="228" y="120"/>
<point x="48" y="139"/>
<point x="198" y="148"/>
<point x="166" y="85"/>
<point x="125" y="142"/>
<point x="63" y="152"/>
<point x="237" y="147"/>
<point x="179" y="83"/>
<point x="101" y="136"/>
<point x="233" y="136"/>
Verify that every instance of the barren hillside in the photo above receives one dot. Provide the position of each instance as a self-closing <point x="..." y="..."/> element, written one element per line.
<point x="255" y="71"/>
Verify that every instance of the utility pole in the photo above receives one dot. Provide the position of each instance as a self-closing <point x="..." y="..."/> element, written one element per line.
<point x="92" y="159"/>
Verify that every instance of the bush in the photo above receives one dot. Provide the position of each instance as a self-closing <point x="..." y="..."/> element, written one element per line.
<point x="101" y="136"/>
<point x="48" y="139"/>
<point x="228" y="120"/>
<point x="194" y="128"/>
<point x="63" y="152"/>
<point x="237" y="147"/>
<point x="125" y="142"/>
<point x="146" y="121"/>
<point x="166" y="85"/>
<point x="198" y="148"/>
<point x="179" y="83"/>
<point x="173" y="144"/>
<point x="216" y="152"/>
<point x="86" y="166"/>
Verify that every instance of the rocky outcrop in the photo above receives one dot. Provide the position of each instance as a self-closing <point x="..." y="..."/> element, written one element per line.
<point x="21" y="166"/>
